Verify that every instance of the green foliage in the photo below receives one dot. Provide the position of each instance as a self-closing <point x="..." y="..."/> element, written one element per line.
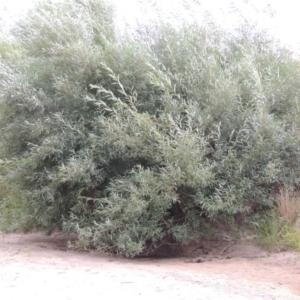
<point x="278" y="227"/>
<point x="276" y="232"/>
<point x="138" y="141"/>
<point x="14" y="214"/>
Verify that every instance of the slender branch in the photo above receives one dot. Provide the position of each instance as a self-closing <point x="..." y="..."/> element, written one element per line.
<point x="226" y="248"/>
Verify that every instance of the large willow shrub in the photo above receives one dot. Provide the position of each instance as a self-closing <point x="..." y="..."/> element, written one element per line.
<point x="139" y="140"/>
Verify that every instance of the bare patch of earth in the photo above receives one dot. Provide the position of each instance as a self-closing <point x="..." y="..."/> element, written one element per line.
<point x="34" y="266"/>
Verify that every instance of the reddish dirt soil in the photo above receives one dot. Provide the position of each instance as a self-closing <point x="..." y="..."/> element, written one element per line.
<point x="35" y="266"/>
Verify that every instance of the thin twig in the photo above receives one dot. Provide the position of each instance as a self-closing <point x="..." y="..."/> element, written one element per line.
<point x="227" y="247"/>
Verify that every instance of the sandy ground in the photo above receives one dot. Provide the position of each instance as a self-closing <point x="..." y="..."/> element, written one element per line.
<point x="35" y="266"/>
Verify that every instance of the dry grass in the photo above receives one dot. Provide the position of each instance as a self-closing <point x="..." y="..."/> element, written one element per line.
<point x="278" y="229"/>
<point x="288" y="204"/>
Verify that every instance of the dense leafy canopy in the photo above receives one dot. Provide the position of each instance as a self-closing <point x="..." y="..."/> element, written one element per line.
<point x="139" y="140"/>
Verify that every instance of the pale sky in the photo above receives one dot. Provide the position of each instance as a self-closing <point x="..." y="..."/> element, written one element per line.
<point x="283" y="23"/>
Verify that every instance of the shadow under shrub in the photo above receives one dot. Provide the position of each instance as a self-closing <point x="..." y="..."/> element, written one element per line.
<point x="138" y="143"/>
